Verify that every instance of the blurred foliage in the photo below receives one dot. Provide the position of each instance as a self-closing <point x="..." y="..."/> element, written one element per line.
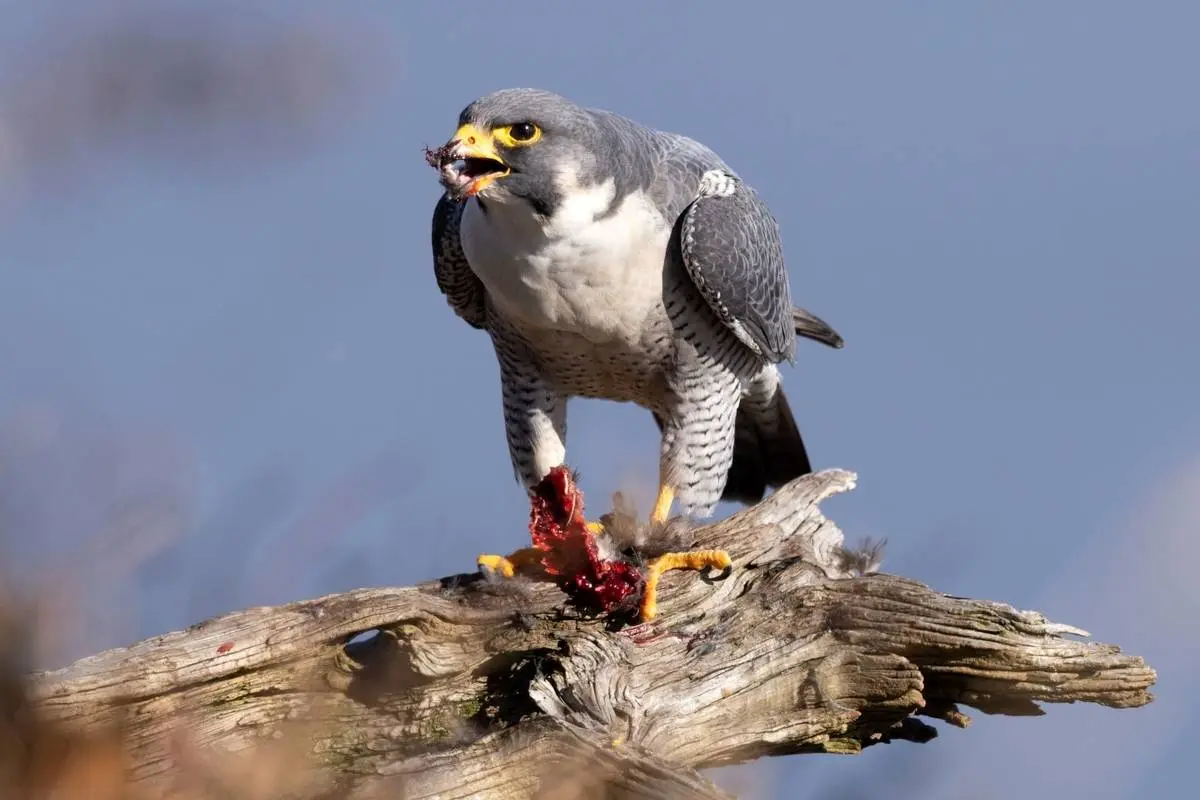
<point x="185" y="84"/>
<point x="179" y="85"/>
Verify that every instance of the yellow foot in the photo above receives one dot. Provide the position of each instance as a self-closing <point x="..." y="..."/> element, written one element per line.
<point x="526" y="556"/>
<point x="508" y="565"/>
<point x="697" y="559"/>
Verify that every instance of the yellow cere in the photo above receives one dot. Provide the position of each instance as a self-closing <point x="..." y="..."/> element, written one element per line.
<point x="478" y="142"/>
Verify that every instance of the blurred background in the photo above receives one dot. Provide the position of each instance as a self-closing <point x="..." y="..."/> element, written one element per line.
<point x="227" y="377"/>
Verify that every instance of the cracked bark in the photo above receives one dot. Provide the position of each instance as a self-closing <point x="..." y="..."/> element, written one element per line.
<point x="472" y="688"/>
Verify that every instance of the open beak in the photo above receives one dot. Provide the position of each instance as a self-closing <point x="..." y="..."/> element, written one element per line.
<point x="469" y="162"/>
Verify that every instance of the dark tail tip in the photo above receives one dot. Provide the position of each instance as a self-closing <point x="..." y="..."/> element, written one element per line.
<point x="810" y="326"/>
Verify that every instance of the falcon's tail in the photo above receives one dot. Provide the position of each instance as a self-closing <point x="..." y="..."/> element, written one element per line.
<point x="810" y="326"/>
<point x="768" y="450"/>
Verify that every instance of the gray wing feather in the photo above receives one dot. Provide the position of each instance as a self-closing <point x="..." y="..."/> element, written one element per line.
<point x="463" y="290"/>
<point x="732" y="250"/>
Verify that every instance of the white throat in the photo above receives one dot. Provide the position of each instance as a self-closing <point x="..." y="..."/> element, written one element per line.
<point x="580" y="270"/>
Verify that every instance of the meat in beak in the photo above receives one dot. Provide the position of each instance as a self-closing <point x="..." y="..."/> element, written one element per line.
<point x="468" y="163"/>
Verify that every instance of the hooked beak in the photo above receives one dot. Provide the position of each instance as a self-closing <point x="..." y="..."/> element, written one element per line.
<point x="468" y="163"/>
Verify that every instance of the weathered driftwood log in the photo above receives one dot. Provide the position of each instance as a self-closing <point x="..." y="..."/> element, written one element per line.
<point x="478" y="688"/>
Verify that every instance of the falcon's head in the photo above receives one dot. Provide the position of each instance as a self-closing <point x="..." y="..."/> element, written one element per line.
<point x="520" y="145"/>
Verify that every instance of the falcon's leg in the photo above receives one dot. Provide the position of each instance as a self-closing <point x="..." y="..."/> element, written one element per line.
<point x="697" y="449"/>
<point x="662" y="504"/>
<point x="535" y="416"/>
<point x="697" y="441"/>
<point x="535" y="424"/>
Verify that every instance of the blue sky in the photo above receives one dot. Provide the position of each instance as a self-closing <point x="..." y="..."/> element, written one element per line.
<point x="995" y="204"/>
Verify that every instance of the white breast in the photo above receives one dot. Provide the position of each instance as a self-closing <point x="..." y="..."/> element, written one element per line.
<point x="578" y="272"/>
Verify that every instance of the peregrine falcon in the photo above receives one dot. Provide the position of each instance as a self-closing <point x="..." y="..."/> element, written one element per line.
<point x="610" y="260"/>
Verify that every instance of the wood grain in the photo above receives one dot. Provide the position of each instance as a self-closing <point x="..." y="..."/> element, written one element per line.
<point x="472" y="688"/>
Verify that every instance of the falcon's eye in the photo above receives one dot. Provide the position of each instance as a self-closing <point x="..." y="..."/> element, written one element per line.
<point x="523" y="131"/>
<point x="519" y="134"/>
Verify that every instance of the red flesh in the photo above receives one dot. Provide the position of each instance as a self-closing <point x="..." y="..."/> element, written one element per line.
<point x="569" y="551"/>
